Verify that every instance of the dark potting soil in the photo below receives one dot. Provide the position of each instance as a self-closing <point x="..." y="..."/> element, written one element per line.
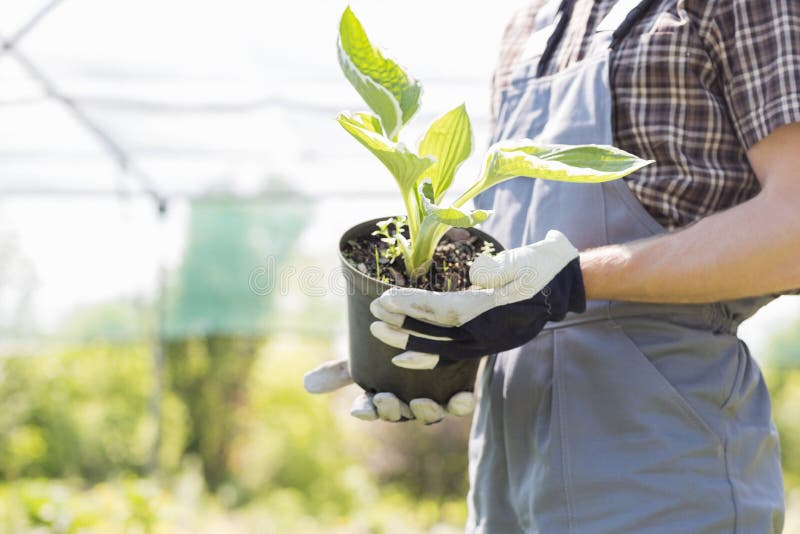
<point x="449" y="270"/>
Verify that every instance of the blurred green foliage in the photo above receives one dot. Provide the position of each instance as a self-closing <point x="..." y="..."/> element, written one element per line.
<point x="782" y="372"/>
<point x="208" y="374"/>
<point x="116" y="321"/>
<point x="77" y="413"/>
<point x="785" y="389"/>
<point x="297" y="462"/>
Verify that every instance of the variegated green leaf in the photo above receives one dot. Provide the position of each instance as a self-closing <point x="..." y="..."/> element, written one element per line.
<point x="369" y="72"/>
<point x="580" y="163"/>
<point x="426" y="190"/>
<point x="376" y="97"/>
<point x="405" y="166"/>
<point x="449" y="140"/>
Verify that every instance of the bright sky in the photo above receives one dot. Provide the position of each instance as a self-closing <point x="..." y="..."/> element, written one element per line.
<point x="206" y="95"/>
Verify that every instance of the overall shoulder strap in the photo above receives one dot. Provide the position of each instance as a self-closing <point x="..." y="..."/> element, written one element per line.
<point x="548" y="27"/>
<point x="559" y="25"/>
<point x="622" y="17"/>
<point x="547" y="14"/>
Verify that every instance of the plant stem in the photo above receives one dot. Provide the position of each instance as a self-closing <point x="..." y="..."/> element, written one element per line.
<point x="412" y="211"/>
<point x="469" y="194"/>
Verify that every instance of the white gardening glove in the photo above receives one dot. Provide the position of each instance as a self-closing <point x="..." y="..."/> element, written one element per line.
<point x="514" y="295"/>
<point x="386" y="406"/>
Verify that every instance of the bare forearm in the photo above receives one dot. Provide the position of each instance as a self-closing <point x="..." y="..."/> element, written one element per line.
<point x="752" y="249"/>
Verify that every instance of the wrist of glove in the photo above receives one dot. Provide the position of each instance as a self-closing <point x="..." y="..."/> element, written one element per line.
<point x="514" y="295"/>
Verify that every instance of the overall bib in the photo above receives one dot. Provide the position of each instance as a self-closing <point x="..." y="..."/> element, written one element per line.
<point x="628" y="417"/>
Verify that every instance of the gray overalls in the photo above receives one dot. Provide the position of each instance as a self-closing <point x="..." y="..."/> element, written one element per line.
<point x="628" y="417"/>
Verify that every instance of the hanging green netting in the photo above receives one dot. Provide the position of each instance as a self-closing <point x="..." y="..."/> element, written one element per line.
<point x="211" y="293"/>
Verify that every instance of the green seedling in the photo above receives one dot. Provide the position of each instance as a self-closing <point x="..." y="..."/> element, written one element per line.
<point x="425" y="174"/>
<point x="393" y="249"/>
<point x="449" y="281"/>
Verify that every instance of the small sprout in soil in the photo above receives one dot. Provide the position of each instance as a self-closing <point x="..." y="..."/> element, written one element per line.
<point x="389" y="236"/>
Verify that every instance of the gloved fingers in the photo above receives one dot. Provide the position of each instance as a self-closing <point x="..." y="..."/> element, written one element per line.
<point x="363" y="408"/>
<point x="379" y="312"/>
<point x="417" y="327"/>
<point x="416" y="360"/>
<point x="522" y="272"/>
<point x="412" y="324"/>
<point x="390" y="408"/>
<point x="328" y="377"/>
<point x="396" y="337"/>
<point x="427" y="411"/>
<point x="423" y="350"/>
<point x="453" y="350"/>
<point x="442" y="309"/>
<point x="461" y="404"/>
<point x="490" y="271"/>
<point x="549" y="256"/>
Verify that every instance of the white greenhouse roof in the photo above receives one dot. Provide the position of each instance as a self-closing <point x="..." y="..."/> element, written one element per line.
<point x="187" y="97"/>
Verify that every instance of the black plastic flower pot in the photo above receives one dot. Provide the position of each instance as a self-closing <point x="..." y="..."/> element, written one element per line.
<point x="371" y="360"/>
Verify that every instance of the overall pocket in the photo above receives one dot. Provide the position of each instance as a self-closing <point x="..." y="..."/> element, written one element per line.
<point x="662" y="385"/>
<point x="637" y="455"/>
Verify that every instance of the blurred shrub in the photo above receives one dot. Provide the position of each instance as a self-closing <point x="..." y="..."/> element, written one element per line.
<point x="145" y="506"/>
<point x="64" y="507"/>
<point x="784" y="388"/>
<point x="296" y="462"/>
<point x="426" y="461"/>
<point x="305" y="455"/>
<point x="81" y="412"/>
<point x="782" y="372"/>
<point x="294" y="442"/>
<point x="208" y="376"/>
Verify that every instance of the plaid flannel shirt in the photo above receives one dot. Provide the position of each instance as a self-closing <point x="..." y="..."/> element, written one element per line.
<point x="695" y="84"/>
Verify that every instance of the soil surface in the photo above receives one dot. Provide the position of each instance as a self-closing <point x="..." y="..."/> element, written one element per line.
<point x="449" y="270"/>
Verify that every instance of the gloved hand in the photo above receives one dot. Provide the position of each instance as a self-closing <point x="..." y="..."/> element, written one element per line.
<point x="386" y="406"/>
<point x="517" y="292"/>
